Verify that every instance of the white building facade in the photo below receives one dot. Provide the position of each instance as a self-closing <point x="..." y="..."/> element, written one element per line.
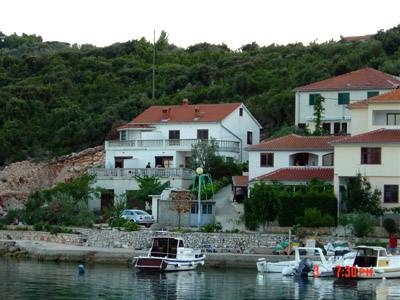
<point x="159" y="141"/>
<point x="373" y="150"/>
<point x="339" y="92"/>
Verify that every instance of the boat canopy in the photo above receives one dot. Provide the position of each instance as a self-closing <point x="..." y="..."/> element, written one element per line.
<point x="166" y="246"/>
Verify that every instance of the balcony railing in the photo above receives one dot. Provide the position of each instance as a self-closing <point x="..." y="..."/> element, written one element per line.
<point x="184" y="144"/>
<point x="135" y="172"/>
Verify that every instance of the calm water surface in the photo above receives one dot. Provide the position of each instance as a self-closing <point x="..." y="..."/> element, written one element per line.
<point x="25" y="279"/>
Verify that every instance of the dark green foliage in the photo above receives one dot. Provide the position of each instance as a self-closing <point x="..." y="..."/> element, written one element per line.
<point x="130" y="226"/>
<point x="318" y="114"/>
<point x="65" y="204"/>
<point x="12" y="214"/>
<point x="56" y="98"/>
<point x="148" y="186"/>
<point x="215" y="227"/>
<point x="262" y="206"/>
<point x="38" y="226"/>
<point x="390" y="225"/>
<point x="361" y="197"/>
<point x="315" y="195"/>
<point x="314" y="218"/>
<point x="113" y="213"/>
<point x="362" y="224"/>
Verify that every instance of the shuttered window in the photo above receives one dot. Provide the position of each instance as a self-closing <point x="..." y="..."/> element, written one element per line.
<point x="343" y="98"/>
<point x="312" y="98"/>
<point x="370" y="156"/>
<point x="266" y="159"/>
<point x="372" y="94"/>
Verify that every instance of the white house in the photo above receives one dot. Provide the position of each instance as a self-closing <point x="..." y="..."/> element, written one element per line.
<point x="158" y="142"/>
<point x="373" y="150"/>
<point x="338" y="92"/>
<point x="292" y="159"/>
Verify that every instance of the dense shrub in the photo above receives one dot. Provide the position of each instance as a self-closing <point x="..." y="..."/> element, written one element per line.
<point x="214" y="227"/>
<point x="390" y="225"/>
<point x="362" y="224"/>
<point x="38" y="226"/>
<point x="130" y="226"/>
<point x="314" y="218"/>
<point x="296" y="203"/>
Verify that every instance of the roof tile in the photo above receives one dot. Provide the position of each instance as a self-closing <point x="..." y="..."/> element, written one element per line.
<point x="298" y="174"/>
<point x="366" y="78"/>
<point x="375" y="137"/>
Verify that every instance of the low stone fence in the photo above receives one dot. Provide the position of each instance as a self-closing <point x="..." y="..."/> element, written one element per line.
<point x="70" y="239"/>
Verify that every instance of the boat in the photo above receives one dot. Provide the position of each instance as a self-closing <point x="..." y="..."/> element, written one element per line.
<point x="320" y="264"/>
<point x="368" y="262"/>
<point x="169" y="254"/>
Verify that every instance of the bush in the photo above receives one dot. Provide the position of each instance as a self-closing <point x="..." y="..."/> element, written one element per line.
<point x="389" y="225"/>
<point x="116" y="222"/>
<point x="215" y="227"/>
<point x="314" y="218"/>
<point x="12" y="214"/>
<point x="362" y="224"/>
<point x="1" y="225"/>
<point x="38" y="227"/>
<point x="55" y="229"/>
<point x="131" y="226"/>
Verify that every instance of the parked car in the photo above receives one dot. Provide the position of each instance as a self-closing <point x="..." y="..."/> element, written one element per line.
<point x="138" y="216"/>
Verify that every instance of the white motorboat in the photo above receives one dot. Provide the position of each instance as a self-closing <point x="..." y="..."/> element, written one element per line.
<point x="368" y="263"/>
<point x="169" y="254"/>
<point x="321" y="265"/>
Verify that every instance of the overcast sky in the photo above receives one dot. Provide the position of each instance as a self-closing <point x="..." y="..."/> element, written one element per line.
<point x="233" y="22"/>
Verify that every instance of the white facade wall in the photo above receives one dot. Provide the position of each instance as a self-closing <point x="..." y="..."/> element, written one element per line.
<point x="333" y="111"/>
<point x="377" y="115"/>
<point x="240" y="125"/>
<point x="282" y="159"/>
<point x="359" y="119"/>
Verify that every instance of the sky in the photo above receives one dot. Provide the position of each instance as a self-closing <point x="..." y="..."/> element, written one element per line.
<point x="187" y="22"/>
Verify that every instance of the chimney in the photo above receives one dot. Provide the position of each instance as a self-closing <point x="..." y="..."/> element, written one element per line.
<point x="197" y="112"/>
<point x="185" y="102"/>
<point x="166" y="113"/>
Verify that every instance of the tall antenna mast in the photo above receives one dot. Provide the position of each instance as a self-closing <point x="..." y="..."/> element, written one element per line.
<point x="154" y="63"/>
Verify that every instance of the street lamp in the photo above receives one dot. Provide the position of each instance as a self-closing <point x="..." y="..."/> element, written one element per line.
<point x="199" y="172"/>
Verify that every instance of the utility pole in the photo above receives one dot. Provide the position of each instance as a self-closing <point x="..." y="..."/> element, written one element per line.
<point x="154" y="63"/>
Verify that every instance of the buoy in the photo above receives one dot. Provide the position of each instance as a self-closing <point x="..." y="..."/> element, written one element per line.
<point x="81" y="269"/>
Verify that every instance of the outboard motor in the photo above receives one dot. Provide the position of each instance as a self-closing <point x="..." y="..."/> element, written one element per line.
<point x="305" y="267"/>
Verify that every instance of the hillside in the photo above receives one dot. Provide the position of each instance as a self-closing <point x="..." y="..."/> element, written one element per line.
<point x="57" y="98"/>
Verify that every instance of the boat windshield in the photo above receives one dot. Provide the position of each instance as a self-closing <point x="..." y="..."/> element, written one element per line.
<point x="164" y="247"/>
<point x="366" y="257"/>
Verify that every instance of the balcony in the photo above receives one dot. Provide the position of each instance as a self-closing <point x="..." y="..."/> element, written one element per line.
<point x="138" y="172"/>
<point x="182" y="145"/>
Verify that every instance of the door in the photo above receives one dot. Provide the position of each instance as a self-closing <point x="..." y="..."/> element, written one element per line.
<point x="107" y="199"/>
<point x="164" y="161"/>
<point x="174" y="137"/>
<point x="119" y="161"/>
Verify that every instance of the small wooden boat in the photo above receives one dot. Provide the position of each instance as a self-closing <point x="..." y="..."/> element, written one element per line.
<point x="368" y="263"/>
<point x="169" y="254"/>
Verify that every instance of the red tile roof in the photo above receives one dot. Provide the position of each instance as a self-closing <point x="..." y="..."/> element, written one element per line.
<point x="362" y="79"/>
<point x="358" y="104"/>
<point x="296" y="142"/>
<point x="380" y="136"/>
<point x="387" y="97"/>
<point x="358" y="37"/>
<point x="184" y="113"/>
<point x="240" y="181"/>
<point x="298" y="174"/>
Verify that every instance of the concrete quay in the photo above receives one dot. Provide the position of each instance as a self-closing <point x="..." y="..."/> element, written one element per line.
<point x="70" y="253"/>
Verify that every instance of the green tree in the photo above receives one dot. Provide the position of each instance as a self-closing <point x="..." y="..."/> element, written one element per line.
<point x="361" y="197"/>
<point x="318" y="114"/>
<point x="262" y="207"/>
<point x="148" y="185"/>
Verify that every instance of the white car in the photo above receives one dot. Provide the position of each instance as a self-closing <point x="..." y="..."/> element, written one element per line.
<point x="138" y="216"/>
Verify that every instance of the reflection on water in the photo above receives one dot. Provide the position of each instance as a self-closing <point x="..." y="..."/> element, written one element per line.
<point x="42" y="280"/>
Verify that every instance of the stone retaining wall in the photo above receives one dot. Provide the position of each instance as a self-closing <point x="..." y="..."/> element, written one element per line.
<point x="70" y="239"/>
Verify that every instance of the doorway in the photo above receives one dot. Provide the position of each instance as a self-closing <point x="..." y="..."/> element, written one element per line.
<point x="107" y="199"/>
<point x="164" y="161"/>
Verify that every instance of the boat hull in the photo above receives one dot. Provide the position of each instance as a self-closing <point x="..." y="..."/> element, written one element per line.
<point x="366" y="273"/>
<point x="160" y="264"/>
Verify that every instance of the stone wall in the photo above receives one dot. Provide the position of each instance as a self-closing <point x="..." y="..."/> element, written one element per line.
<point x="70" y="239"/>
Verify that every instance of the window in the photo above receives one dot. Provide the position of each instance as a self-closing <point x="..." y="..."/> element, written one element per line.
<point x="206" y="209"/>
<point x="266" y="159"/>
<point x="301" y="125"/>
<point x="372" y="94"/>
<point x="391" y="193"/>
<point x="326" y="128"/>
<point x="393" y="119"/>
<point x="164" y="161"/>
<point x="241" y="112"/>
<point x="327" y="159"/>
<point x="194" y="209"/>
<point x="344" y="128"/>
<point x="202" y="134"/>
<point x="174" y="134"/>
<point x="123" y="135"/>
<point x="343" y="98"/>
<point x="336" y="128"/>
<point x="370" y="156"/>
<point x="312" y="98"/>
<point x="249" y="138"/>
